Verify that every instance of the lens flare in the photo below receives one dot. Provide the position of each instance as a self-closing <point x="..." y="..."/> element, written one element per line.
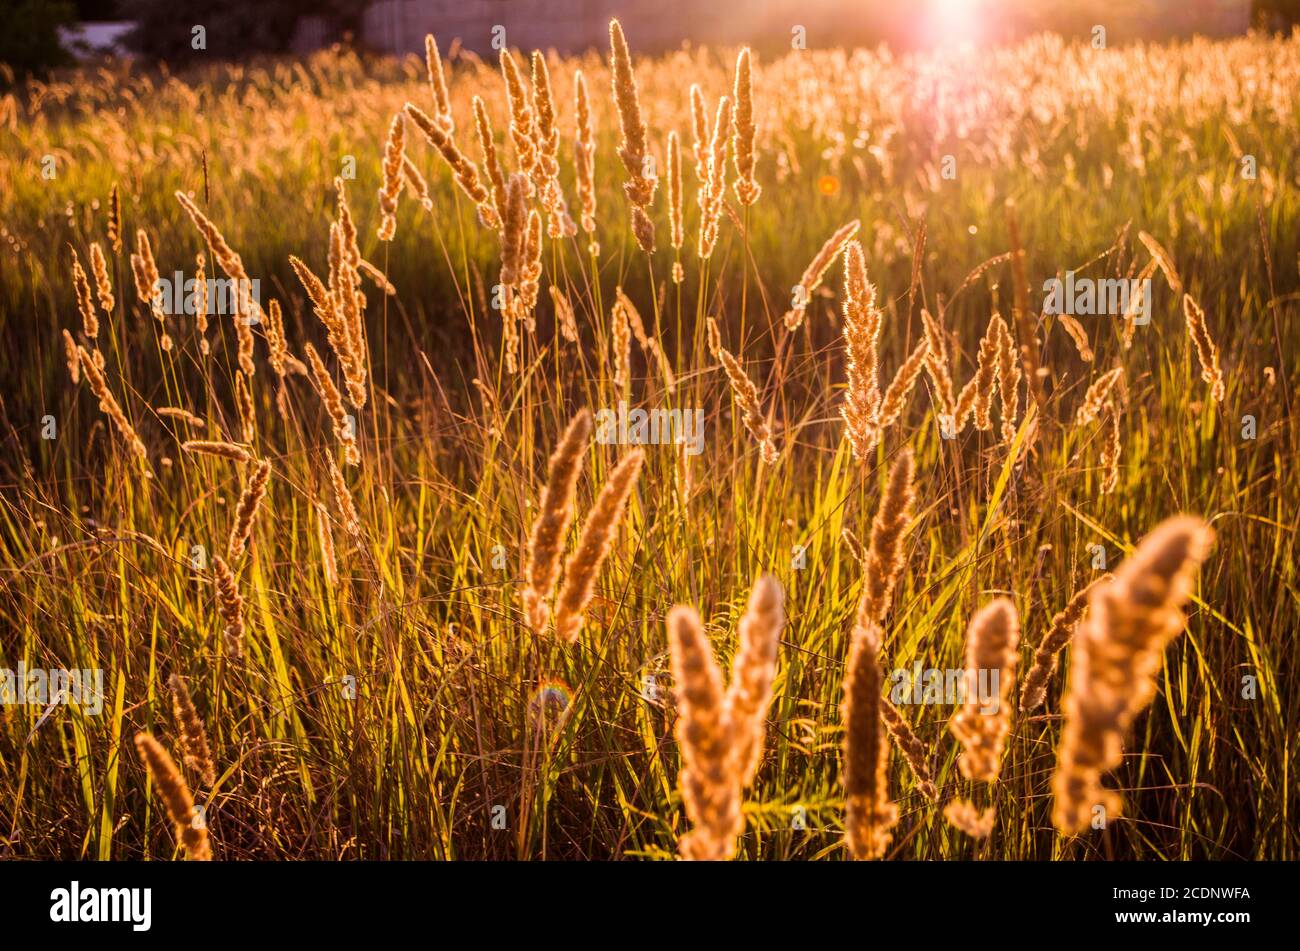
<point x="548" y="707"/>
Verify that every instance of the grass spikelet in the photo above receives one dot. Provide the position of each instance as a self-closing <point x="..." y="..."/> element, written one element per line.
<point x="564" y="316"/>
<point x="713" y="336"/>
<point x="643" y="229"/>
<point x="438" y="84"/>
<point x="114" y="228"/>
<point x="514" y="230"/>
<point x="201" y="302"/>
<point x="391" y="189"/>
<point x="85" y="302"/>
<point x="225" y="450"/>
<point x="713" y="192"/>
<point x="1163" y="259"/>
<point x="584" y="158"/>
<point x="1206" y="352"/>
<point x="752" y="671"/>
<point x="583" y="565"/>
<point x="246" y="511"/>
<point x="547" y="140"/>
<point x="230" y="605"/>
<point x="962" y="815"/>
<point x="745" y="393"/>
<point x="639" y="188"/>
<point x="93" y="371"/>
<point x="861" y="409"/>
<point x="869" y="816"/>
<point x="277" y="345"/>
<point x="1009" y="384"/>
<point x="1110" y="447"/>
<point x="816" y="270"/>
<point x="992" y="640"/>
<point x="710" y="790"/>
<point x="676" y="228"/>
<point x="854" y="546"/>
<point x="522" y="120"/>
<point x="554" y="515"/>
<point x="915" y="753"/>
<point x="1078" y="335"/>
<point x="1064" y="622"/>
<point x="415" y="183"/>
<point x="324" y="303"/>
<point x="463" y="170"/>
<point x="175" y="795"/>
<point x="525" y="301"/>
<point x="685" y="474"/>
<point x="244" y="404"/>
<point x="349" y="301"/>
<point x="649" y="345"/>
<point x="347" y="507"/>
<point x="620" y="339"/>
<point x="1095" y="399"/>
<point x="1114" y="659"/>
<point x="144" y="271"/>
<point x="937" y="365"/>
<point x="194" y="738"/>
<point x="700" y="134"/>
<point x="247" y="310"/>
<point x="977" y="396"/>
<point x="325" y="535"/>
<point x="181" y="414"/>
<point x="333" y="401"/>
<point x="70" y="356"/>
<point x="103" y="285"/>
<point x="900" y="388"/>
<point x="742" y="143"/>
<point x="884" y="556"/>
<point x="1131" y="312"/>
<point x="491" y="161"/>
<point x="546" y="134"/>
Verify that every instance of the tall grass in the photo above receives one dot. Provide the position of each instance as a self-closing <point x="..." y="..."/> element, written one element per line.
<point x="368" y="679"/>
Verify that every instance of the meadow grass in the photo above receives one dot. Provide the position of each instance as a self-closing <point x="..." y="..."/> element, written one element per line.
<point x="392" y="700"/>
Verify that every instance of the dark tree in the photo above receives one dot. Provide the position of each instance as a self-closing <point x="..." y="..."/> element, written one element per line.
<point x="233" y="29"/>
<point x="1276" y="14"/>
<point x="29" y="35"/>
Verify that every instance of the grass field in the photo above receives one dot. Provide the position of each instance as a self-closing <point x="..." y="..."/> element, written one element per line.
<point x="388" y="697"/>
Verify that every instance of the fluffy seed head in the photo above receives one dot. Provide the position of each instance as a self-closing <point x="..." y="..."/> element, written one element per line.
<point x="175" y="795"/>
<point x="710" y="791"/>
<point x="554" y="515"/>
<point x="884" y="557"/>
<point x="992" y="642"/>
<point x="1115" y="657"/>
<point x="583" y="566"/>
<point x="869" y="815"/>
<point x="752" y="672"/>
<point x="194" y="738"/>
